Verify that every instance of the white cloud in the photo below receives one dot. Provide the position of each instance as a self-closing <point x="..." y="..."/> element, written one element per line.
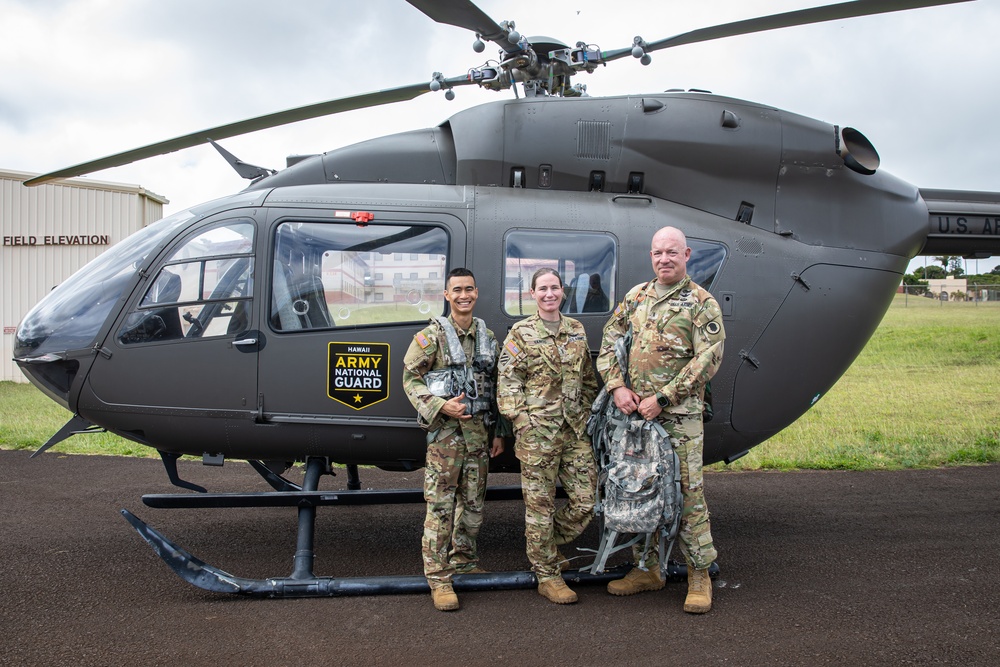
<point x="83" y="79"/>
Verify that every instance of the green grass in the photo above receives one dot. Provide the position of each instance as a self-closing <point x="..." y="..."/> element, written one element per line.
<point x="925" y="392"/>
<point x="28" y="418"/>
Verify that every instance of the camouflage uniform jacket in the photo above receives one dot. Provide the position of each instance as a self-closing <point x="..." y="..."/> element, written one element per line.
<point x="677" y="343"/>
<point x="429" y="352"/>
<point x="545" y="378"/>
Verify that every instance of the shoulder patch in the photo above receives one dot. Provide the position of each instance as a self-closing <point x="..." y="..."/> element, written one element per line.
<point x="512" y="347"/>
<point x="713" y="327"/>
<point x="422" y="340"/>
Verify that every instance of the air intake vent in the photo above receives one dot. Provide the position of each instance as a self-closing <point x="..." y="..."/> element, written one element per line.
<point x="751" y="247"/>
<point x="593" y="139"/>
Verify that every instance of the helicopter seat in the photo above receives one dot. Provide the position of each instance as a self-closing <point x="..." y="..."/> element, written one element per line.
<point x="239" y="321"/>
<point x="283" y="318"/>
<point x="298" y="301"/>
<point x="169" y="292"/>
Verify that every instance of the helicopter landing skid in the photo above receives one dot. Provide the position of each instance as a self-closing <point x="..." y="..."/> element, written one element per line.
<point x="207" y="577"/>
<point x="302" y="582"/>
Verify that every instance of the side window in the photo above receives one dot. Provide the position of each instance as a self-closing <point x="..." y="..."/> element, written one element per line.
<point x="328" y="274"/>
<point x="706" y="260"/>
<point x="586" y="261"/>
<point x="204" y="289"/>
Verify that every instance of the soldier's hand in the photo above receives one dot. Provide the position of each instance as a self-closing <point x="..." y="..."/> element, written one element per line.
<point x="455" y="408"/>
<point x="626" y="399"/>
<point x="497" y="448"/>
<point x="649" y="408"/>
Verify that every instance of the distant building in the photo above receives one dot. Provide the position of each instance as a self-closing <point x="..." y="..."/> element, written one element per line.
<point x="52" y="230"/>
<point x="949" y="287"/>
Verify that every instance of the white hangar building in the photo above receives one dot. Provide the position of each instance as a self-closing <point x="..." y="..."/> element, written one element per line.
<point x="51" y="231"/>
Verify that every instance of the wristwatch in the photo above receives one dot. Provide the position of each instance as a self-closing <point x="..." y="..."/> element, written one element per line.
<point x="662" y="400"/>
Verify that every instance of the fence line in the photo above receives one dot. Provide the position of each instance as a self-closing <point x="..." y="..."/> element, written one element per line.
<point x="922" y="295"/>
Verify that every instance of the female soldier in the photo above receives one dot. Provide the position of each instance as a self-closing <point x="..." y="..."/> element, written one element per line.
<point x="545" y="387"/>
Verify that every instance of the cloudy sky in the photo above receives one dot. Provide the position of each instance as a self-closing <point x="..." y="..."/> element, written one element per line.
<point x="80" y="79"/>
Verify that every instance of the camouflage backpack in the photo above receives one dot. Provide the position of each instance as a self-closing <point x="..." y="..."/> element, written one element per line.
<point x="639" y="488"/>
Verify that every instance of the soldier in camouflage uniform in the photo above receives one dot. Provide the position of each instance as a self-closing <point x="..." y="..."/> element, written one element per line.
<point x="458" y="448"/>
<point x="677" y="342"/>
<point x="546" y="386"/>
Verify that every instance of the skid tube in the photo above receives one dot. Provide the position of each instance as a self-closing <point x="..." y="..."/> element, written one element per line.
<point x="207" y="577"/>
<point x="302" y="583"/>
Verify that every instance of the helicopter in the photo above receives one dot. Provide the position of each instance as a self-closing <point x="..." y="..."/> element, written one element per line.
<point x="270" y="325"/>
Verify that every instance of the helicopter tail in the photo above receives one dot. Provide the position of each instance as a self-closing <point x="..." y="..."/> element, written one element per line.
<point x="962" y="223"/>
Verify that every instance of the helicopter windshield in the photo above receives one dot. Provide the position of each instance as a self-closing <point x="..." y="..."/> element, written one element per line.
<point x="72" y="314"/>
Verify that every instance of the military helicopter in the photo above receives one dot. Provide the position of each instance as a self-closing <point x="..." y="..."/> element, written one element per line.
<point x="270" y="325"/>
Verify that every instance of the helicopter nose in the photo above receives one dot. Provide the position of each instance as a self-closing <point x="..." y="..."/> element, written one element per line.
<point x="53" y="374"/>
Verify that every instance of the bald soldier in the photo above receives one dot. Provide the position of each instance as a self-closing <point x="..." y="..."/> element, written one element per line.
<point x="677" y="341"/>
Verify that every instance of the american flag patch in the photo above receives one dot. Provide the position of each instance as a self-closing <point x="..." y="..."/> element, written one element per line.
<point x="512" y="348"/>
<point x="422" y="340"/>
<point x="618" y="310"/>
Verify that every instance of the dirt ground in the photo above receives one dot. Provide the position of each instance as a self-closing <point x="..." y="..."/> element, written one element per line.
<point x="881" y="568"/>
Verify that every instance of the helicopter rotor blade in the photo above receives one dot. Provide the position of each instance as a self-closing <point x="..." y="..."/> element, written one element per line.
<point x="330" y="107"/>
<point x="464" y="14"/>
<point x="843" y="10"/>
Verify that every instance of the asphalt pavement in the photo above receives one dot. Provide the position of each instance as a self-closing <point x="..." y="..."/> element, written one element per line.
<point x="816" y="568"/>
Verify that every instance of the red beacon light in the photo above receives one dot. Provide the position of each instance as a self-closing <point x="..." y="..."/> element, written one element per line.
<point x="362" y="218"/>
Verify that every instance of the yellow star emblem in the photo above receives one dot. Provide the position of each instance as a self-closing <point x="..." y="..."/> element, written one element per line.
<point x="357" y="398"/>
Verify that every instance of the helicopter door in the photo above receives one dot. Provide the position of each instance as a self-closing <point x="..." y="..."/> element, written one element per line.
<point x="182" y="345"/>
<point x="343" y="303"/>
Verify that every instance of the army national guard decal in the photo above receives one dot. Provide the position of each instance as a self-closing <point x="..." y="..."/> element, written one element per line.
<point x="358" y="374"/>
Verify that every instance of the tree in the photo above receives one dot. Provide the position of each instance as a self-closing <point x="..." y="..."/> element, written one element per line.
<point x="952" y="265"/>
<point x="914" y="285"/>
<point x="983" y="279"/>
<point x="931" y="272"/>
<point x="945" y="260"/>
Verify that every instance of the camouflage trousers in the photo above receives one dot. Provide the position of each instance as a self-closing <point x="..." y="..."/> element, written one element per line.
<point x="687" y="435"/>
<point x="454" y="488"/>
<point x="570" y="460"/>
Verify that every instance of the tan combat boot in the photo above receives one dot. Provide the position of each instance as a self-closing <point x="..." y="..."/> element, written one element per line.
<point x="699" y="597"/>
<point x="556" y="590"/>
<point x="637" y="581"/>
<point x="444" y="597"/>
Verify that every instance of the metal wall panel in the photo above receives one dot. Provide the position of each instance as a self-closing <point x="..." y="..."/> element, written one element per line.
<point x="51" y="231"/>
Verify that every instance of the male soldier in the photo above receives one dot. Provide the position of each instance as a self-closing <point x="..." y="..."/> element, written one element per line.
<point x="677" y="340"/>
<point x="449" y="375"/>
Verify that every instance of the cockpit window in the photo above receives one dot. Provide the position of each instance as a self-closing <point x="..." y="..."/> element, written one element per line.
<point x="586" y="262"/>
<point x="204" y="289"/>
<point x="72" y="314"/>
<point x="328" y="274"/>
